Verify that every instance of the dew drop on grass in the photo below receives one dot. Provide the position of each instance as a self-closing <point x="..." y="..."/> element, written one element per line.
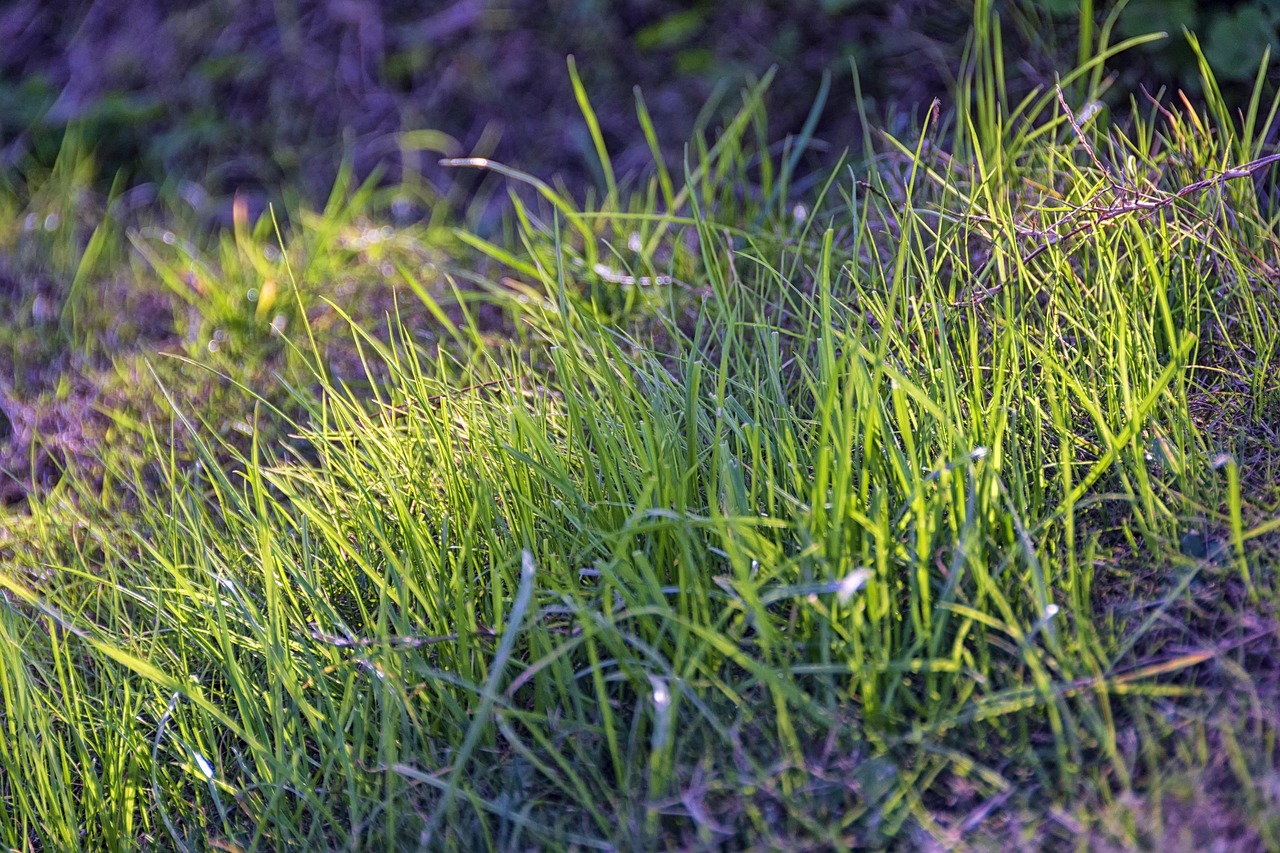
<point x="206" y="769"/>
<point x="662" y="711"/>
<point x="661" y="694"/>
<point x="851" y="583"/>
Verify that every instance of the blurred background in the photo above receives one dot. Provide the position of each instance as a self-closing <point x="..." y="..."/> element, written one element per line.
<point x="219" y="96"/>
<point x="129" y="127"/>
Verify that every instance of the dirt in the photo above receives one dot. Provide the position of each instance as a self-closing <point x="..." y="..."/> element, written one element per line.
<point x="240" y="95"/>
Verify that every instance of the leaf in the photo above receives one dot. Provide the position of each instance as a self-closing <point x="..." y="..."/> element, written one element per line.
<point x="672" y="31"/>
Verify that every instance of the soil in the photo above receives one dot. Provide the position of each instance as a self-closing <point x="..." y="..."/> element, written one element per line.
<point x="241" y="95"/>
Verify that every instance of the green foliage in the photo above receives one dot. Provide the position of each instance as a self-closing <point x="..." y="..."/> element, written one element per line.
<point x="899" y="508"/>
<point x="1234" y="38"/>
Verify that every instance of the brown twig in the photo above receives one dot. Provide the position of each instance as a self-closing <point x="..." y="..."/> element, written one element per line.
<point x="1143" y="203"/>
<point x="1147" y="207"/>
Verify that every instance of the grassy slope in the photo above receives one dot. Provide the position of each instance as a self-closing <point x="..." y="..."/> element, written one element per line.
<point x="834" y="525"/>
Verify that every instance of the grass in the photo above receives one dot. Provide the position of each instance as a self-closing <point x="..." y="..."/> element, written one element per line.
<point x="930" y="504"/>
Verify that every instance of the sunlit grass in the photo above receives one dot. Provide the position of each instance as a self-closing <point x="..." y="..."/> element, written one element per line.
<point x="883" y="513"/>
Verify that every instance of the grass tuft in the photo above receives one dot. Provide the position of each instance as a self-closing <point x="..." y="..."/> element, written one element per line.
<point x="928" y="502"/>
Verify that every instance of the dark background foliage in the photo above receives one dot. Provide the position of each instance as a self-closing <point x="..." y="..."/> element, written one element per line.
<point x="237" y="95"/>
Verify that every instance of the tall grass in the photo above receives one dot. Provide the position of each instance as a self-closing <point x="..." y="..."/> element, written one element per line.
<point x="835" y="520"/>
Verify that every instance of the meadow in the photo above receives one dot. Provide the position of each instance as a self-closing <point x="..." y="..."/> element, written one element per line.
<point x="929" y="501"/>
